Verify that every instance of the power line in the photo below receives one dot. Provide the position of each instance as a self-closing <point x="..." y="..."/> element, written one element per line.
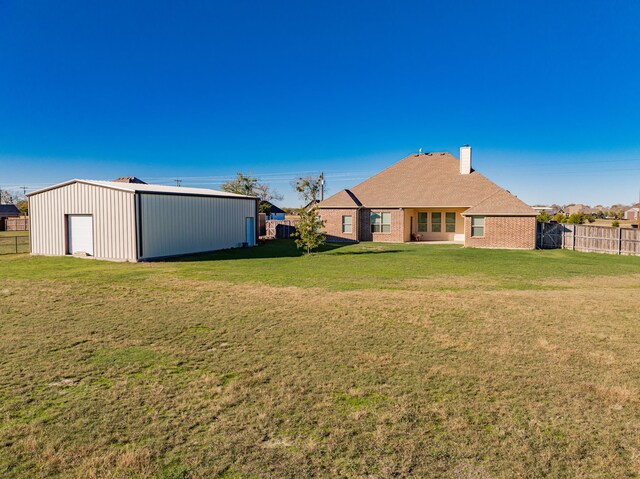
<point x="569" y="163"/>
<point x="359" y="175"/>
<point x="273" y="176"/>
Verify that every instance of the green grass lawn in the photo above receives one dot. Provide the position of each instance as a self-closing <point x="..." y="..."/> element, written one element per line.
<point x="360" y="361"/>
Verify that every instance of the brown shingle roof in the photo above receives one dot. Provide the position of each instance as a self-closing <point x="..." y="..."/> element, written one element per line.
<point x="429" y="180"/>
<point x="129" y="179"/>
<point x="343" y="198"/>
<point x="501" y="203"/>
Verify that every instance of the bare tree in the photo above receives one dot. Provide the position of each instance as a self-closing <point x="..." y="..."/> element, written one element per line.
<point x="251" y="186"/>
<point x="7" y="197"/>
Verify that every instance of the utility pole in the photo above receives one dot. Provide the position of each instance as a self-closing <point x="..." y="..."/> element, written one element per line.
<point x="178" y="181"/>
<point x="321" y="186"/>
<point x="24" y="190"/>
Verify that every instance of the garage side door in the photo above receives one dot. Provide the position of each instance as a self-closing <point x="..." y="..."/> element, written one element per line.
<point x="81" y="234"/>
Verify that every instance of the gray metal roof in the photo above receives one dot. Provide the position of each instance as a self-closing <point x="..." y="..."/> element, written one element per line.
<point x="145" y="188"/>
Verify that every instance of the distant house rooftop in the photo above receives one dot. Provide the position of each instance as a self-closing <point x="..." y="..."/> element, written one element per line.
<point x="130" y="179"/>
<point x="273" y="208"/>
<point x="9" y="210"/>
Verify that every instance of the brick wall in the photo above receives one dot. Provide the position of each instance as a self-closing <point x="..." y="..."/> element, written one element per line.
<point x="514" y="232"/>
<point x="397" y="226"/>
<point x="333" y="224"/>
<point x="361" y="230"/>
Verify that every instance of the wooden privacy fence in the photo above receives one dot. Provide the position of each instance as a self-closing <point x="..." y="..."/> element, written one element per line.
<point x="589" y="238"/>
<point x="280" y="228"/>
<point x="14" y="244"/>
<point x="16" y="224"/>
<point x="262" y="224"/>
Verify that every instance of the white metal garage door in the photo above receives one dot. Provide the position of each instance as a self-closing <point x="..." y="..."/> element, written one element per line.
<point x="81" y="234"/>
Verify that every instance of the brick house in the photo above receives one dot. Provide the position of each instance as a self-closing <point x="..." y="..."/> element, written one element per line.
<point x="430" y="197"/>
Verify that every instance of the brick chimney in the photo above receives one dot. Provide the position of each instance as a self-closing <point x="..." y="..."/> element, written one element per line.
<point x="465" y="160"/>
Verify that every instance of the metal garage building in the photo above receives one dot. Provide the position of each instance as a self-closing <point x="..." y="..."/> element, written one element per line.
<point x="133" y="222"/>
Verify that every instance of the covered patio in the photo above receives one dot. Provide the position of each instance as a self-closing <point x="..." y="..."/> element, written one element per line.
<point x="429" y="225"/>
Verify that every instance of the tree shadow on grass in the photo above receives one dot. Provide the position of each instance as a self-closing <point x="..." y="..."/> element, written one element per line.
<point x="361" y="252"/>
<point x="272" y="249"/>
<point x="269" y="249"/>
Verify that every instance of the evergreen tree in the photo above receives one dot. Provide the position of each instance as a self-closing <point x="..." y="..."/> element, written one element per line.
<point x="576" y="219"/>
<point x="559" y="218"/>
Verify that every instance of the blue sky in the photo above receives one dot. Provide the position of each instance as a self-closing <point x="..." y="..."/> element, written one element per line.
<point x="546" y="93"/>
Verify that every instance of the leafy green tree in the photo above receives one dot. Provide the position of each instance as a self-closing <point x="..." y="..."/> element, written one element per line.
<point x="559" y="218"/>
<point x="576" y="219"/>
<point x="251" y="186"/>
<point x="265" y="208"/>
<point x="23" y="206"/>
<point x="308" y="233"/>
<point x="543" y="217"/>
<point x="615" y="224"/>
<point x="241" y="185"/>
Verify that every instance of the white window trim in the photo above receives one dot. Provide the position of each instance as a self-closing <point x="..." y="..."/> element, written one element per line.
<point x="478" y="226"/>
<point x="382" y="224"/>
<point x="350" y="224"/>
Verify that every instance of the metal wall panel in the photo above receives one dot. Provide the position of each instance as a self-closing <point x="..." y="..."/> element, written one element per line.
<point x="113" y="220"/>
<point x="173" y="225"/>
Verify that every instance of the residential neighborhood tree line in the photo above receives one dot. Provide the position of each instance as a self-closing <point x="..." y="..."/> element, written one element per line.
<point x="579" y="218"/>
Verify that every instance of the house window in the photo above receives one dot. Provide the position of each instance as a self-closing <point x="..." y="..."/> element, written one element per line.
<point x="381" y="222"/>
<point x="422" y="222"/>
<point x="450" y="222"/>
<point x="477" y="226"/>
<point x="436" y="222"/>
<point x="347" y="224"/>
